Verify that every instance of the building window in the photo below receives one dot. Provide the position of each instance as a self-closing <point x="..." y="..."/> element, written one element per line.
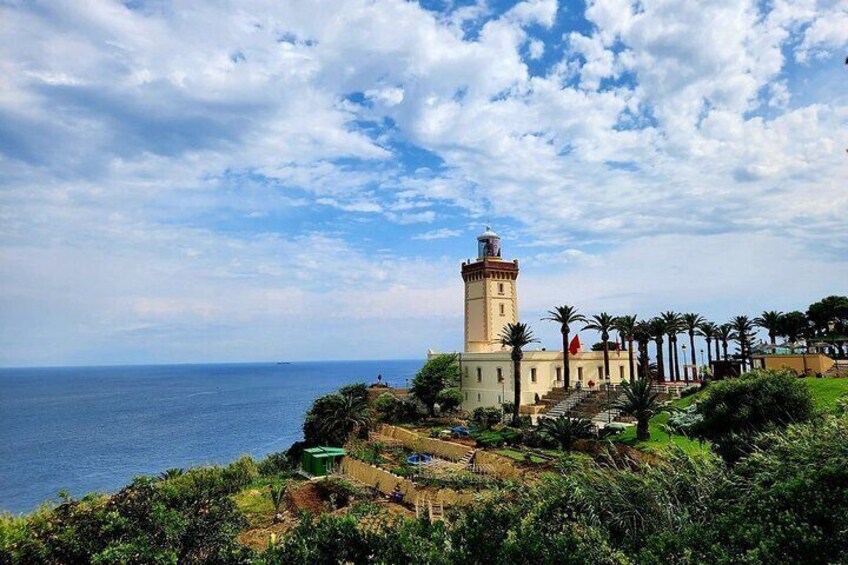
<point x="533" y="375"/>
<point x="559" y="373"/>
<point x="503" y="312"/>
<point x="601" y="373"/>
<point x="500" y="375"/>
<point x="479" y="375"/>
<point x="621" y="372"/>
<point x="579" y="373"/>
<point x="499" y="399"/>
<point x="500" y="288"/>
<point x="478" y="397"/>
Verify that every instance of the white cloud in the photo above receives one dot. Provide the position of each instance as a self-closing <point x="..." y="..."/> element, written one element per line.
<point x="132" y="138"/>
<point x="442" y="233"/>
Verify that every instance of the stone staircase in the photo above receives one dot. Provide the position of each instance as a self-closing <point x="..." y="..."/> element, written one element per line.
<point x="466" y="459"/>
<point x="592" y="405"/>
<point x="553" y="397"/>
<point x="566" y="404"/>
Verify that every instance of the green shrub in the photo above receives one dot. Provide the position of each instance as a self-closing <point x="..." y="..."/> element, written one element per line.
<point x="274" y="464"/>
<point x="736" y="410"/>
<point x="449" y="399"/>
<point x="486" y="417"/>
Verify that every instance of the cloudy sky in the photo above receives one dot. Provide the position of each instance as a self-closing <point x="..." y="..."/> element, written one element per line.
<point x="201" y="180"/>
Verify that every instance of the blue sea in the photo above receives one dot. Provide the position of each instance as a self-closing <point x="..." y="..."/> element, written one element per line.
<point x="88" y="429"/>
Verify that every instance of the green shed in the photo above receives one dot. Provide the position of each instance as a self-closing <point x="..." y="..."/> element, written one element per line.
<point x="319" y="461"/>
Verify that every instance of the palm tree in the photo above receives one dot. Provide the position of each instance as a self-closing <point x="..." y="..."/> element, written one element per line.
<point x="565" y="316"/>
<point x="743" y="327"/>
<point x="603" y="323"/>
<point x="770" y="321"/>
<point x="672" y="328"/>
<point x="563" y="431"/>
<point x="725" y="334"/>
<point x="657" y="328"/>
<point x="171" y="473"/>
<point x="642" y="333"/>
<point x="709" y="330"/>
<point x="516" y="336"/>
<point x="691" y="323"/>
<point x="626" y="328"/>
<point x="343" y="416"/>
<point x="639" y="401"/>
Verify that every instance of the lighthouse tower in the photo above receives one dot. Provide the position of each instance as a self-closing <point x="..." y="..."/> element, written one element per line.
<point x="491" y="300"/>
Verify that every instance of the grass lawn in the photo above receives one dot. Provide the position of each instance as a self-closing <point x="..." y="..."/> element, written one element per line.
<point x="255" y="502"/>
<point x="826" y="391"/>
<point x="660" y="439"/>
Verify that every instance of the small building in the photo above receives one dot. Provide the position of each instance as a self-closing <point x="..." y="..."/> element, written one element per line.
<point x="320" y="461"/>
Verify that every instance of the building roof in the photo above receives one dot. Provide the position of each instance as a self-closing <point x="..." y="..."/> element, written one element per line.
<point x="487" y="234"/>
<point x="321" y="452"/>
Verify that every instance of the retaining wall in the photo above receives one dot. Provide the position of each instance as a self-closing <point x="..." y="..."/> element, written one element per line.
<point x="412" y="440"/>
<point x="385" y="482"/>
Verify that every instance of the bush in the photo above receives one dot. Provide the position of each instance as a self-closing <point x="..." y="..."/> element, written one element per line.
<point x="239" y="473"/>
<point x="389" y="408"/>
<point x="274" y="464"/>
<point x="449" y="399"/>
<point x="436" y="375"/>
<point x="787" y="502"/>
<point x="486" y="417"/>
<point x="736" y="410"/>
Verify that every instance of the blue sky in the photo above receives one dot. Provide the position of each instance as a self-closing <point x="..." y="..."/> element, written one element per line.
<point x="236" y="181"/>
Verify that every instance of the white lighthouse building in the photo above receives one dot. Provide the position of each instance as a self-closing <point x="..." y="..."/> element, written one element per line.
<point x="491" y="302"/>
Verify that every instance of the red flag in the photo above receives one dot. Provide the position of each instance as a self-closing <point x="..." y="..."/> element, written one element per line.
<point x="574" y="348"/>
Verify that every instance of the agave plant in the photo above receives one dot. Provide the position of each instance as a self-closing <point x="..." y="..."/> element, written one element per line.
<point x="563" y="431"/>
<point x="277" y="493"/>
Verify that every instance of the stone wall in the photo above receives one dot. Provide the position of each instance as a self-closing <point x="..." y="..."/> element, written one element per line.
<point x="385" y="482"/>
<point x="502" y="466"/>
<point x="416" y="442"/>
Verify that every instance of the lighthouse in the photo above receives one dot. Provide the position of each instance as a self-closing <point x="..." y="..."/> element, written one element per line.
<point x="491" y="298"/>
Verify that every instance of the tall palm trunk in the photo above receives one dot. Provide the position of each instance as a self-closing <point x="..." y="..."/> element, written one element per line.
<point x="724" y="348"/>
<point x="694" y="360"/>
<point x="516" y="377"/>
<point x="710" y="352"/>
<point x="566" y="370"/>
<point x="630" y="360"/>
<point x="676" y="361"/>
<point x="605" y="337"/>
<point x="773" y="338"/>
<point x="646" y="369"/>
<point x="671" y="376"/>
<point x="660" y="364"/>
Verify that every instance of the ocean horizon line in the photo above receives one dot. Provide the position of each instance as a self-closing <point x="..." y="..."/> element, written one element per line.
<point x="205" y="363"/>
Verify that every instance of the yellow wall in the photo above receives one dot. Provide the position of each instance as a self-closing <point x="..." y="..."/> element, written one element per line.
<point x="814" y="362"/>
<point x="490" y="392"/>
<point x="483" y="319"/>
<point x="432" y="446"/>
<point x="385" y="482"/>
